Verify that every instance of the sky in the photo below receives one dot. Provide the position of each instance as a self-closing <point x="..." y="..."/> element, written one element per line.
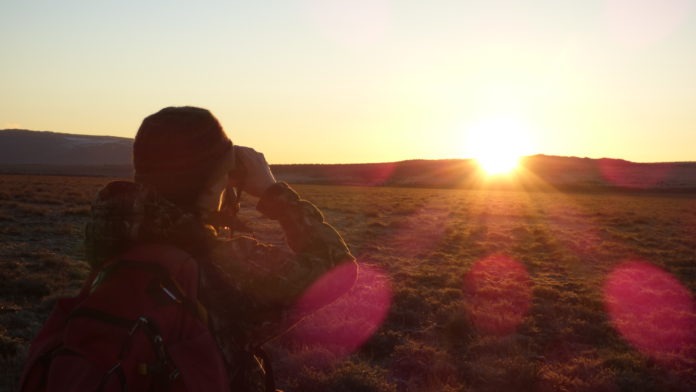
<point x="329" y="81"/>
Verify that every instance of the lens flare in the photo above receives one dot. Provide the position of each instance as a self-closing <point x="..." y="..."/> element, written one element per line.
<point x="637" y="23"/>
<point x="653" y="311"/>
<point x="356" y="23"/>
<point x="344" y="325"/>
<point x="633" y="175"/>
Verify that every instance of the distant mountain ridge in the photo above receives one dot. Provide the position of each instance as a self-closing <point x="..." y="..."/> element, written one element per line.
<point x="34" y="152"/>
<point x="18" y="146"/>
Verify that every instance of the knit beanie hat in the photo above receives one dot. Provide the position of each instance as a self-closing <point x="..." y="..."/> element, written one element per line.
<point x="175" y="151"/>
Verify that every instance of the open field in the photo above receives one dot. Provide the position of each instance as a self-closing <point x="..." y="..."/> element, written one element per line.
<point x="460" y="290"/>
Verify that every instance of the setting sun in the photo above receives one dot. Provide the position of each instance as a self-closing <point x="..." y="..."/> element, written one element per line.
<point x="497" y="144"/>
<point x="493" y="164"/>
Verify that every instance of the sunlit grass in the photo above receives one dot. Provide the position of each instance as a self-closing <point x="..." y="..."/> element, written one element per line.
<point x="424" y="242"/>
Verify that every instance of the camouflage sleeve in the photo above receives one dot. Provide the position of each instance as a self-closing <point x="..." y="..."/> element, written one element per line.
<point x="304" y="226"/>
<point x="268" y="280"/>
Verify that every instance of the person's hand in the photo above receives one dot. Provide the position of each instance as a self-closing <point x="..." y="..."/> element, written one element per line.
<point x="257" y="174"/>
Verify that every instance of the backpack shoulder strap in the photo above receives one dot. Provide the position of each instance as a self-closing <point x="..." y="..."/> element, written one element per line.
<point x="163" y="267"/>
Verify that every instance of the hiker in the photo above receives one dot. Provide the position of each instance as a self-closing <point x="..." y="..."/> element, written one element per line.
<point x="184" y="199"/>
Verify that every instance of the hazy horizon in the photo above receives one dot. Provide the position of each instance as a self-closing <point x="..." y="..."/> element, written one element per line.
<point x="370" y="162"/>
<point x="366" y="81"/>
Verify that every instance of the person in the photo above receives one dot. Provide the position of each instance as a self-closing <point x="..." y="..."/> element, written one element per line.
<point x="188" y="175"/>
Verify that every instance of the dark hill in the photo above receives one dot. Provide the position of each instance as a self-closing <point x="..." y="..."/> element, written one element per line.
<point x="19" y="147"/>
<point x="31" y="152"/>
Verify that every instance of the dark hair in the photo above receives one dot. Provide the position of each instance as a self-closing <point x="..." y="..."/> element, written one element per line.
<point x="175" y="149"/>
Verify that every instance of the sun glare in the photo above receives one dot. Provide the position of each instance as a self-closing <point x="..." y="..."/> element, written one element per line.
<point x="497" y="144"/>
<point x="493" y="164"/>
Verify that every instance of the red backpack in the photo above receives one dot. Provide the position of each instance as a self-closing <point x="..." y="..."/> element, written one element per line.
<point x="136" y="325"/>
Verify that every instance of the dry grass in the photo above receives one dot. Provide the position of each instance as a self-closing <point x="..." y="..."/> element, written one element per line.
<point x="41" y="257"/>
<point x="459" y="290"/>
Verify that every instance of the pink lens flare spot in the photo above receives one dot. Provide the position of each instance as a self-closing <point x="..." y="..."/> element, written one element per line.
<point x="637" y="23"/>
<point x="355" y="23"/>
<point x="326" y="289"/>
<point x="653" y="311"/>
<point x="634" y="175"/>
<point x="497" y="294"/>
<point x="345" y="324"/>
<point x="359" y="174"/>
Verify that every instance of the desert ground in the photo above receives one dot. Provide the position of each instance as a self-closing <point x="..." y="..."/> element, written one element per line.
<point x="459" y="290"/>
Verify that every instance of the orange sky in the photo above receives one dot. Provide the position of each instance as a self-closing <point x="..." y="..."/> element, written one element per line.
<point x="365" y="81"/>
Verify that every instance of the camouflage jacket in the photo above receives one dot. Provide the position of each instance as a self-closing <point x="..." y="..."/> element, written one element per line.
<point x="249" y="288"/>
